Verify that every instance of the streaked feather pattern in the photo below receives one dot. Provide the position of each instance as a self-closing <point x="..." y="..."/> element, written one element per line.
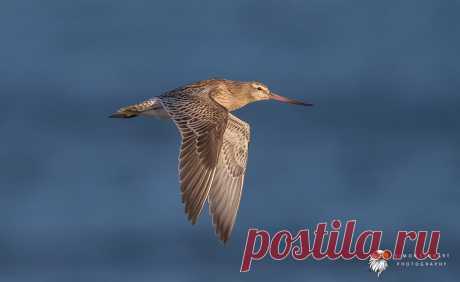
<point x="201" y="123"/>
<point x="214" y="146"/>
<point x="224" y="197"/>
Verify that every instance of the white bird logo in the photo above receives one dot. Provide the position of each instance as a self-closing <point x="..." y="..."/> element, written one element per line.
<point x="378" y="261"/>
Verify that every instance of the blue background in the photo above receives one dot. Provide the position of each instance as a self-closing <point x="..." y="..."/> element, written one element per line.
<point x="87" y="198"/>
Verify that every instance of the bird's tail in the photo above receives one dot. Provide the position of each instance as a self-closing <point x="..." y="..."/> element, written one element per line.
<point x="137" y="109"/>
<point x="124" y="113"/>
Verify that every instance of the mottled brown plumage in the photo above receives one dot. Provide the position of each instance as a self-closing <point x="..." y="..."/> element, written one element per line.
<point x="214" y="147"/>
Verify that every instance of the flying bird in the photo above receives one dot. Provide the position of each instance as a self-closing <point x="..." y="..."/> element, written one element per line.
<point x="214" y="147"/>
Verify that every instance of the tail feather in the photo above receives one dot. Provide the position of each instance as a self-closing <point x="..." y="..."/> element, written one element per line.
<point x="122" y="114"/>
<point x="134" y="110"/>
<point x="151" y="107"/>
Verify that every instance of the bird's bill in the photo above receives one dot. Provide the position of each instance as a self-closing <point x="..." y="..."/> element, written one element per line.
<point x="279" y="98"/>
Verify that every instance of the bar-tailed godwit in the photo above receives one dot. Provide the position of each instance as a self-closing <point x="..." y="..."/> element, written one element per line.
<point x="214" y="147"/>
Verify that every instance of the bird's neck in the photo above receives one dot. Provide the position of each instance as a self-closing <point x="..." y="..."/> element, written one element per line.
<point x="231" y="100"/>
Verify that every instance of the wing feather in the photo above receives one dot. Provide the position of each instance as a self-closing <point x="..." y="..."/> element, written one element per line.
<point x="225" y="195"/>
<point x="201" y="123"/>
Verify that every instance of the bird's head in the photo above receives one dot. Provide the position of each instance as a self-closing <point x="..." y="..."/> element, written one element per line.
<point x="236" y="94"/>
<point x="258" y="91"/>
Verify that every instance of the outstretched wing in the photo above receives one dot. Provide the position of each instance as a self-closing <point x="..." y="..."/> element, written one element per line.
<point x="201" y="123"/>
<point x="224" y="197"/>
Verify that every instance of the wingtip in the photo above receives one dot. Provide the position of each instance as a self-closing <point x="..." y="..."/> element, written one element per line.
<point x="224" y="241"/>
<point x="223" y="237"/>
<point x="193" y="219"/>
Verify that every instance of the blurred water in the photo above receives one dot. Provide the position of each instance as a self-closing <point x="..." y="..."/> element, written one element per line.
<point x="87" y="198"/>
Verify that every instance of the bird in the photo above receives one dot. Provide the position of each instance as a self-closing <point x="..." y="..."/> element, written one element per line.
<point x="214" y="142"/>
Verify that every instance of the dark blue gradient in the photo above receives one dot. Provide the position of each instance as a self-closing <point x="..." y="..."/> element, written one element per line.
<point x="88" y="198"/>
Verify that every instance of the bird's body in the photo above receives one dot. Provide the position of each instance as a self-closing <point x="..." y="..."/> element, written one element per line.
<point x="214" y="147"/>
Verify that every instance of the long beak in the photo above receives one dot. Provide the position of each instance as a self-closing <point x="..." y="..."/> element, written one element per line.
<point x="274" y="96"/>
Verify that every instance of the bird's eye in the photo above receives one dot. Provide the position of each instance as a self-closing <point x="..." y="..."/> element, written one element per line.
<point x="259" y="88"/>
